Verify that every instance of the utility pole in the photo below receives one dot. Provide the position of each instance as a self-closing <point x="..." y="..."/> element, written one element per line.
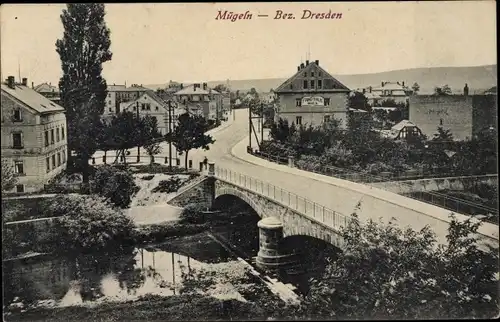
<point x="250" y="126"/>
<point x="170" y="134"/>
<point x="261" y="122"/>
<point x="138" y="145"/>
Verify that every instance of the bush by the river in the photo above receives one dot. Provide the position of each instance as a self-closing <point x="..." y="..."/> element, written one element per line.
<point x="89" y="223"/>
<point x="116" y="185"/>
<point x="168" y="186"/>
<point x="158" y="232"/>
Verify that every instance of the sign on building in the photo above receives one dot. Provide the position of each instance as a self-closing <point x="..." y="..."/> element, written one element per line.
<point x="313" y="101"/>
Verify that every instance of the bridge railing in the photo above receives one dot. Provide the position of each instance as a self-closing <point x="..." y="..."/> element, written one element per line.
<point x="312" y="210"/>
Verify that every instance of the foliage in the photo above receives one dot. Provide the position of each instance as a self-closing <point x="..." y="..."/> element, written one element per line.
<point x="442" y="90"/>
<point x="415" y="87"/>
<point x="168" y="186"/>
<point x="149" y="135"/>
<point x="89" y="223"/>
<point x="114" y="185"/>
<point x="442" y="135"/>
<point x="188" y="134"/>
<point x="156" y="168"/>
<point x="158" y="232"/>
<point x="358" y="101"/>
<point x="387" y="272"/>
<point x="9" y="180"/>
<point x="281" y="131"/>
<point x="193" y="213"/>
<point x="221" y="88"/>
<point x="83" y="49"/>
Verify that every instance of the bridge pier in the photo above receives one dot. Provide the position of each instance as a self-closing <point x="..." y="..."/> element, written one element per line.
<point x="270" y="256"/>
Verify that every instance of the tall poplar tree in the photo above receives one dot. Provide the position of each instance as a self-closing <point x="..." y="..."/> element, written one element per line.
<point x="83" y="49"/>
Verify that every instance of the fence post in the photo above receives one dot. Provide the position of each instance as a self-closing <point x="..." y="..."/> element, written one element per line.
<point x="323" y="213"/>
<point x="166" y="160"/>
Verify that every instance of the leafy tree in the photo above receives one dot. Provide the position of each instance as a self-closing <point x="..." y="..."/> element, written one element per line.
<point x="387" y="272"/>
<point x="281" y="131"/>
<point x="221" y="88"/>
<point x="442" y="135"/>
<point x="9" y="180"/>
<point x="150" y="136"/>
<point x="105" y="137"/>
<point x="83" y="49"/>
<point x="189" y="133"/>
<point x="442" y="90"/>
<point x="415" y="87"/>
<point x="88" y="223"/>
<point x="114" y="185"/>
<point x="358" y="101"/>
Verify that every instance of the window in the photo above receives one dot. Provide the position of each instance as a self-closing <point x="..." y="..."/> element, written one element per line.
<point x="312" y="74"/>
<point x="19" y="167"/>
<point x="305" y="84"/>
<point x="109" y="102"/>
<point x="148" y="106"/>
<point x="312" y="83"/>
<point x="20" y="188"/>
<point x="305" y="74"/>
<point x="291" y="86"/>
<point x="319" y="74"/>
<point x="47" y="160"/>
<point x="63" y="154"/>
<point x="17" y="117"/>
<point x="440" y="121"/>
<point x="298" y="120"/>
<point x="143" y="106"/>
<point x="326" y="118"/>
<point x="62" y="133"/>
<point x="53" y="161"/>
<point x="327" y="101"/>
<point x="156" y="108"/>
<point x="58" y="159"/>
<point x="46" y="138"/>
<point x="17" y="140"/>
<point x="58" y="138"/>
<point x="320" y="84"/>
<point x="298" y="102"/>
<point x="52" y="136"/>
<point x="109" y="109"/>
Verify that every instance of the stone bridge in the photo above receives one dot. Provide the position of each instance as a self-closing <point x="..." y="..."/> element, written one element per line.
<point x="286" y="214"/>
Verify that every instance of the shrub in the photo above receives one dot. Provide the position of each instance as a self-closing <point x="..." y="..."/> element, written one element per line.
<point x="117" y="186"/>
<point x="167" y="186"/>
<point x="193" y="213"/>
<point x="158" y="233"/>
<point x="310" y="163"/>
<point x="378" y="167"/>
<point x="148" y="177"/>
<point x="89" y="223"/>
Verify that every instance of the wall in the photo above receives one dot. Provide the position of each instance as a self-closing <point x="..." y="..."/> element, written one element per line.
<point x="35" y="152"/>
<point x="435" y="184"/>
<point x="484" y="113"/>
<point x="455" y="111"/>
<point x="201" y="193"/>
<point x="313" y="114"/>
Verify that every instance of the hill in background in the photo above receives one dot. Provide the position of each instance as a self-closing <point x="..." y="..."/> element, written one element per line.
<point x="478" y="78"/>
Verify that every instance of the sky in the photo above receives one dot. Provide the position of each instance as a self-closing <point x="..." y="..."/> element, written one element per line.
<point x="155" y="43"/>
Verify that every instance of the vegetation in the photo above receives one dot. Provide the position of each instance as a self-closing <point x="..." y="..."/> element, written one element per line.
<point x="188" y="134"/>
<point x="114" y="185"/>
<point x="9" y="179"/>
<point x="83" y="49"/>
<point x="360" y="148"/>
<point x="89" y="223"/>
<point x="168" y="186"/>
<point x="442" y="90"/>
<point x="386" y="272"/>
<point x="416" y="88"/>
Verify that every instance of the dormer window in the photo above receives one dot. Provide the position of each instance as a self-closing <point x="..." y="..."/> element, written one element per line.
<point x="17" y="116"/>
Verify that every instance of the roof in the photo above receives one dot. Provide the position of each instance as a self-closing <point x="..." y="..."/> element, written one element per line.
<point x="149" y="93"/>
<point x="402" y="124"/>
<point x="46" y="88"/>
<point x="190" y="90"/>
<point x="32" y="98"/>
<point x="123" y="88"/>
<point x="284" y="87"/>
<point x="372" y="95"/>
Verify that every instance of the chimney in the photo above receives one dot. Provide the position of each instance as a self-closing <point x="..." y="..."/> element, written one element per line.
<point x="403" y="84"/>
<point x="302" y="66"/>
<point x="317" y="62"/>
<point x="298" y="68"/>
<point x="33" y="85"/>
<point x="307" y="62"/>
<point x="466" y="90"/>
<point x="204" y="86"/>
<point x="182" y="86"/>
<point x="382" y="84"/>
<point x="364" y="90"/>
<point x="25" y="81"/>
<point x="10" y="81"/>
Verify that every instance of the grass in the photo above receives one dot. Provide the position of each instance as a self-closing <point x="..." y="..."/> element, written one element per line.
<point x="186" y="307"/>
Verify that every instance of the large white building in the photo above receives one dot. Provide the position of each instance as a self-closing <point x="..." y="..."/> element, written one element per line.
<point x="33" y="135"/>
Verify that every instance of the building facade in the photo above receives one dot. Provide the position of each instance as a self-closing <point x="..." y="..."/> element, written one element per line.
<point x="396" y="91"/>
<point x="312" y="96"/>
<point x="200" y="97"/>
<point x="49" y="91"/>
<point x="151" y="104"/>
<point x="33" y="136"/>
<point x="118" y="94"/>
<point x="463" y="115"/>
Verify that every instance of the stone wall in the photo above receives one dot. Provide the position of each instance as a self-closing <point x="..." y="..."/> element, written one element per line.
<point x="202" y="193"/>
<point x="436" y="184"/>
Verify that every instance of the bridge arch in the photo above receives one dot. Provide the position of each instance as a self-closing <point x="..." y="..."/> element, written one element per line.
<point x="228" y="191"/>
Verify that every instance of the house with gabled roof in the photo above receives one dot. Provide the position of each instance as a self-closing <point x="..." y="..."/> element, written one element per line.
<point x="312" y="96"/>
<point x="151" y="104"/>
<point x="34" y="132"/>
